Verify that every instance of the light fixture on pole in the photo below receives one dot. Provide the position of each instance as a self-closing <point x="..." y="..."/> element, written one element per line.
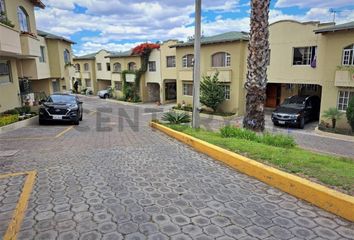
<point x="196" y="65"/>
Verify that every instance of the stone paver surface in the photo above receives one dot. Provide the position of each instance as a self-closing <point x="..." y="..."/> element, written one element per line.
<point x="107" y="180"/>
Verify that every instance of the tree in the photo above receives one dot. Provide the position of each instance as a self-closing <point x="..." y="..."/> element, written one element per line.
<point x="350" y="113"/>
<point x="211" y="92"/>
<point x="334" y="114"/>
<point x="257" y="60"/>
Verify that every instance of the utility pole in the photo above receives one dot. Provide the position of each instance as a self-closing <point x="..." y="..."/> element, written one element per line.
<point x="196" y="65"/>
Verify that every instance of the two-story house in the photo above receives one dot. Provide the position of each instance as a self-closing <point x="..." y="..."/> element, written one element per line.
<point x="223" y="53"/>
<point x="93" y="71"/>
<point x="31" y="61"/>
<point x="311" y="58"/>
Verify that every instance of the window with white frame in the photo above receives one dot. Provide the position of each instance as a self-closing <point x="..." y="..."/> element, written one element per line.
<point x="187" y="61"/>
<point x="86" y="67"/>
<point x="221" y="59"/>
<point x="348" y="55"/>
<point x="99" y="66"/>
<point x="188" y="89"/>
<point x="304" y="55"/>
<point x="117" y="67"/>
<point x="343" y="99"/>
<point x="132" y="66"/>
<point x="42" y="56"/>
<point x="171" y="61"/>
<point x="152" y="66"/>
<point x="5" y="71"/>
<point x="23" y="19"/>
<point x="227" y="92"/>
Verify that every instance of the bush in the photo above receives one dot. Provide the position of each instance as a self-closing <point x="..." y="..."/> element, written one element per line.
<point x="350" y="113"/>
<point x="230" y="131"/>
<point x="211" y="92"/>
<point x="176" y="118"/>
<point x="8" y="119"/>
<point x="11" y="112"/>
<point x="277" y="140"/>
<point x="23" y="110"/>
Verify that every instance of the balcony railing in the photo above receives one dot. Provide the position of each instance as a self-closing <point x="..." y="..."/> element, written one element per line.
<point x="9" y="40"/>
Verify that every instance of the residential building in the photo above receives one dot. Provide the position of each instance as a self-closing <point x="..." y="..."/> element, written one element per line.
<point x="223" y="53"/>
<point x="31" y="61"/>
<point x="311" y="58"/>
<point x="93" y="71"/>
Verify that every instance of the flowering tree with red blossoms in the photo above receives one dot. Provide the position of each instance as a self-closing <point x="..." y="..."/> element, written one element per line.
<point x="144" y="51"/>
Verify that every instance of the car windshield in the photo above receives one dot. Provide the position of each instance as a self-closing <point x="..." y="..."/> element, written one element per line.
<point x="61" y="99"/>
<point x="294" y="102"/>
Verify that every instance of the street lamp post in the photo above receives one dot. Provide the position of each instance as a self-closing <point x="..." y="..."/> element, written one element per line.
<point x="196" y="65"/>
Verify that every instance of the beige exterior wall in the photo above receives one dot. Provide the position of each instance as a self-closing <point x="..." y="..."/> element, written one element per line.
<point x="233" y="75"/>
<point x="285" y="35"/>
<point x="86" y="76"/>
<point x="9" y="97"/>
<point x="154" y="77"/>
<point x="104" y="74"/>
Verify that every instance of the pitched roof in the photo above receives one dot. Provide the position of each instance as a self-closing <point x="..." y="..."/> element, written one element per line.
<point x="220" y="38"/>
<point x="339" y="27"/>
<point x="91" y="56"/>
<point x="121" y="54"/>
<point x="38" y="3"/>
<point x="52" y="36"/>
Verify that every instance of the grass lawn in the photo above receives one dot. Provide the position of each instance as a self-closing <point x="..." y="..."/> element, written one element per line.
<point x="337" y="172"/>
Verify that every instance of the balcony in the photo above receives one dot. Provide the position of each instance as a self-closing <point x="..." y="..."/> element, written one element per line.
<point x="225" y="75"/>
<point x="344" y="78"/>
<point x="30" y="45"/>
<point x="9" y="41"/>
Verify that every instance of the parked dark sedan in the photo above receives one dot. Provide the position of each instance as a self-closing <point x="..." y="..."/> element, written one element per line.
<point x="61" y="107"/>
<point x="297" y="111"/>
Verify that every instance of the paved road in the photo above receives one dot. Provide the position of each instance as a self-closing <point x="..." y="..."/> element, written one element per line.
<point x="114" y="181"/>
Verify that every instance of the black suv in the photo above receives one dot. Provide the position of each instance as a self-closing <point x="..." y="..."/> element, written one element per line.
<point x="61" y="107"/>
<point x="297" y="110"/>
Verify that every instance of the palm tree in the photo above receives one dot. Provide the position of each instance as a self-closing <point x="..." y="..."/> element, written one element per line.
<point x="257" y="60"/>
<point x="334" y="114"/>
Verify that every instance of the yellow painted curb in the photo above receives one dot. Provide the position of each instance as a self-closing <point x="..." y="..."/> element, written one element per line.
<point x="19" y="212"/>
<point x="323" y="197"/>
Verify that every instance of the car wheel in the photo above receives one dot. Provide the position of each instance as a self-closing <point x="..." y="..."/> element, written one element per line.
<point x="302" y="123"/>
<point x="81" y="117"/>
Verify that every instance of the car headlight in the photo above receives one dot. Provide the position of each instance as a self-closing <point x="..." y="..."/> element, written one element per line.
<point x="294" y="116"/>
<point x="73" y="107"/>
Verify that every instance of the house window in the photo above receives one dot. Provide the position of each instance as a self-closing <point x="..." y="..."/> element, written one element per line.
<point x="221" y="59"/>
<point x="86" y="67"/>
<point x="187" y="61"/>
<point x="348" y="55"/>
<point x="188" y="89"/>
<point x="152" y="66"/>
<point x="343" y="99"/>
<point x="132" y="66"/>
<point x="5" y="71"/>
<point x="304" y="55"/>
<point x="77" y="67"/>
<point x="99" y="66"/>
<point x="42" y="57"/>
<point x="171" y="61"/>
<point x="117" y="68"/>
<point x="88" y="83"/>
<point x="23" y="19"/>
<point x="118" y="86"/>
<point x="108" y="66"/>
<point x="67" y="56"/>
<point x="227" y="92"/>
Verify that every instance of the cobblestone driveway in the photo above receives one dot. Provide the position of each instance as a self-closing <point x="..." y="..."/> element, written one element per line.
<point x="136" y="183"/>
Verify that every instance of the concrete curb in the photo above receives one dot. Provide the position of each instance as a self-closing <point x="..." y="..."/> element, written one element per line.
<point x="334" y="135"/>
<point x="323" y="197"/>
<point x="19" y="124"/>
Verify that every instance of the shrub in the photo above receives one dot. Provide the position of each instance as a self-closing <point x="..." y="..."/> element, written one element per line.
<point x="8" y="119"/>
<point x="334" y="114"/>
<point x="11" y="112"/>
<point x="230" y="131"/>
<point x="350" y="113"/>
<point x="211" y="92"/>
<point x="176" y="118"/>
<point x="277" y="140"/>
<point x="23" y="110"/>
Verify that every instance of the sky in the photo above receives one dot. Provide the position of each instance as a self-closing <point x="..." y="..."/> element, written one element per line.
<point x="119" y="25"/>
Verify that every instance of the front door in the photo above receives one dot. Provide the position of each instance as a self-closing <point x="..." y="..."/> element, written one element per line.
<point x="272" y="94"/>
<point x="170" y="91"/>
<point x="56" y="86"/>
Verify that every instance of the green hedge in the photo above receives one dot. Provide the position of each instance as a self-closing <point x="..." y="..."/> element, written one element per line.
<point x="8" y="119"/>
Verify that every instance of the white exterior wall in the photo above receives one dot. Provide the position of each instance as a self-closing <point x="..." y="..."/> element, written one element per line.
<point x="154" y="77"/>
